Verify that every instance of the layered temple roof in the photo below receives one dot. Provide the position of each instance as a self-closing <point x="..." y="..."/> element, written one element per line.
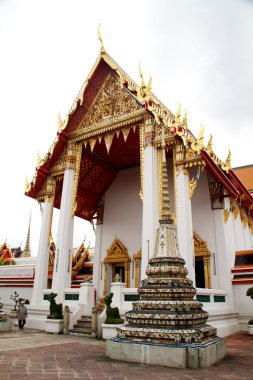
<point x="106" y="116"/>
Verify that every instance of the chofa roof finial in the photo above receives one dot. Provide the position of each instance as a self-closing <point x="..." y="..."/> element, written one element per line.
<point x="102" y="48"/>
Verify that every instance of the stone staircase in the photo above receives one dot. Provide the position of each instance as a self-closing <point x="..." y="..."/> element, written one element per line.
<point x="82" y="327"/>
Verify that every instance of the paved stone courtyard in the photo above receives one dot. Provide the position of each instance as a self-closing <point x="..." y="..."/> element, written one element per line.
<point x="31" y="354"/>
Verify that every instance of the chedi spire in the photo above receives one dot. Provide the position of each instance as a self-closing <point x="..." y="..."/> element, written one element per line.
<point x="166" y="314"/>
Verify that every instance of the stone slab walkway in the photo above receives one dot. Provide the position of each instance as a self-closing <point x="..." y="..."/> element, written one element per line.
<point x="32" y="355"/>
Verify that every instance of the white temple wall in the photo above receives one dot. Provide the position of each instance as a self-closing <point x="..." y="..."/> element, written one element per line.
<point x="243" y="304"/>
<point x="239" y="234"/>
<point x="122" y="217"/>
<point x="203" y="223"/>
<point x="7" y="291"/>
<point x="247" y="237"/>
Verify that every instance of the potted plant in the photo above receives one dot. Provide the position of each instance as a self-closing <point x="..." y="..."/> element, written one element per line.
<point x="250" y="323"/>
<point x="54" y="321"/>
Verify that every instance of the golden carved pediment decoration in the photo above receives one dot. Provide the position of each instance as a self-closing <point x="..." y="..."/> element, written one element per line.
<point x="60" y="163"/>
<point x="117" y="253"/>
<point x="112" y="101"/>
<point x="200" y="246"/>
<point x="137" y="255"/>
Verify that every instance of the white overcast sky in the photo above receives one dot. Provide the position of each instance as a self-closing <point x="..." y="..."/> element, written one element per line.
<point x="199" y="53"/>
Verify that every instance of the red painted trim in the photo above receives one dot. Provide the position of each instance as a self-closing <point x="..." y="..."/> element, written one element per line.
<point x="10" y="285"/>
<point x="62" y="136"/>
<point x="241" y="270"/>
<point x="218" y="174"/>
<point x="235" y="282"/>
<point x="43" y="172"/>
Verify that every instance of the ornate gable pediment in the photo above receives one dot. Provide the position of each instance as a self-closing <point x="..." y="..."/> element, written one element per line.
<point x="117" y="253"/>
<point x="200" y="247"/>
<point x="112" y="101"/>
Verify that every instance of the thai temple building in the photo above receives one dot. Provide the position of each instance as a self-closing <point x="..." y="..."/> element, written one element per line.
<point x="105" y="165"/>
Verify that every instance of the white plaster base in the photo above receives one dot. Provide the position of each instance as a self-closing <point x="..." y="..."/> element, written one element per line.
<point x="191" y="356"/>
<point x="54" y="326"/>
<point x="109" y="331"/>
<point x="5" y="326"/>
<point x="250" y="329"/>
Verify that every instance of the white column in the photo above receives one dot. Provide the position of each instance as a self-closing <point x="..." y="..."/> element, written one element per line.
<point x="184" y="222"/>
<point x="41" y="272"/>
<point x="150" y="199"/>
<point x="223" y="256"/>
<point x="86" y="297"/>
<point x="98" y="266"/>
<point x="63" y="256"/>
<point x="97" y="261"/>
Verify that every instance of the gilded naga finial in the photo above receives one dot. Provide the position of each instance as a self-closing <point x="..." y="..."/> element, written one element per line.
<point x="185" y="120"/>
<point x="201" y="135"/>
<point x="38" y="158"/>
<point x="102" y="48"/>
<point x="149" y="86"/>
<point x="178" y="115"/>
<point x="210" y="144"/>
<point x="228" y="160"/>
<point x="60" y="121"/>
<point x="27" y="185"/>
<point x="143" y="84"/>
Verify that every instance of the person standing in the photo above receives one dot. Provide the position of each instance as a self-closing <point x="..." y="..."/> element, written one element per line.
<point x="22" y="314"/>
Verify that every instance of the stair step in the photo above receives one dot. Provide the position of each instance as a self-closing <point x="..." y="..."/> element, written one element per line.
<point x="84" y="322"/>
<point x="80" y="333"/>
<point x="83" y="318"/>
<point x="82" y="328"/>
<point x="88" y="325"/>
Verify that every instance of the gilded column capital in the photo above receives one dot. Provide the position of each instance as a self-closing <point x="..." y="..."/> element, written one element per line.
<point x="149" y="131"/>
<point x="100" y="212"/>
<point x="179" y="154"/>
<point x="71" y="156"/>
<point x="50" y="189"/>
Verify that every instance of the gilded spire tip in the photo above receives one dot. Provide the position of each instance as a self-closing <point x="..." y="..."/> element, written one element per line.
<point x="102" y="48"/>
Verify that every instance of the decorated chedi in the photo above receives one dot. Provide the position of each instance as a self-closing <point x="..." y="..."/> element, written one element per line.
<point x="167" y="325"/>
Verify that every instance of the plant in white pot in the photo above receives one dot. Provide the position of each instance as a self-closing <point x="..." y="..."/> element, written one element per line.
<point x="113" y="319"/>
<point x="250" y="323"/>
<point x="54" y="321"/>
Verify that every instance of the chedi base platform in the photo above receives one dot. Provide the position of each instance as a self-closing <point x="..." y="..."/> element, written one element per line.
<point x="192" y="355"/>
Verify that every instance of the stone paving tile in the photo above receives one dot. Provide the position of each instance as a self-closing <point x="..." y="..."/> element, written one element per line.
<point x="34" y="355"/>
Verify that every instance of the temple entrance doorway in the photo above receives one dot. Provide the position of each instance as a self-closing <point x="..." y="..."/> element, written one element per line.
<point x="199" y="272"/>
<point x="202" y="263"/>
<point x="116" y="262"/>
